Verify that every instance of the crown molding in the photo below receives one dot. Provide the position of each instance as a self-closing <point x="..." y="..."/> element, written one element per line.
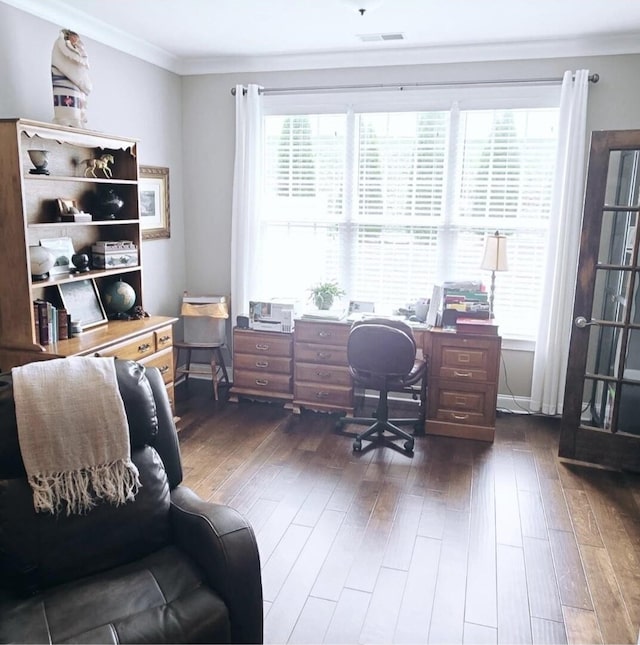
<point x="69" y="18"/>
<point x="385" y="54"/>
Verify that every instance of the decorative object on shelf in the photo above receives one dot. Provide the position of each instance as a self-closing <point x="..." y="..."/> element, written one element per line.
<point x="114" y="254"/>
<point x="82" y="301"/>
<point x="40" y="159"/>
<point x="101" y="163"/>
<point x="154" y="202"/>
<point x="324" y="293"/>
<point x="119" y="298"/>
<point x="62" y="248"/>
<point x="41" y="261"/>
<point x="81" y="262"/>
<point x="107" y="203"/>
<point x="70" y="80"/>
<point x="495" y="259"/>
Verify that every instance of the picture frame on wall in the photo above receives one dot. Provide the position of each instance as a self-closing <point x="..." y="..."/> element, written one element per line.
<point x="154" y="202"/>
<point x="82" y="301"/>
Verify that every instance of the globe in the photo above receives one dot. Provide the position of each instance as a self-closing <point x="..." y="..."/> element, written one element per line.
<point x="41" y="261"/>
<point x="119" y="297"/>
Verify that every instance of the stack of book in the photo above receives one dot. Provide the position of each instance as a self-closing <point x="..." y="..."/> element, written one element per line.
<point x="477" y="326"/>
<point x="51" y="323"/>
<point x="464" y="299"/>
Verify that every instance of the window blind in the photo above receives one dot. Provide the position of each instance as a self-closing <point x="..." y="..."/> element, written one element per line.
<point x="391" y="203"/>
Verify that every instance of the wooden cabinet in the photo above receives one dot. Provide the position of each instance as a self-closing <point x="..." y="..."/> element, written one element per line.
<point x="462" y="384"/>
<point x="321" y="379"/>
<point x="29" y="208"/>
<point x="262" y="365"/>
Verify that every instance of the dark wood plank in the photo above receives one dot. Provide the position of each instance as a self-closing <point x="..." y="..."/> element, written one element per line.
<point x="479" y="635"/>
<point x="572" y="582"/>
<point x="514" y="622"/>
<point x="384" y="607"/>
<point x="544" y="600"/>
<point x="584" y="521"/>
<point x="581" y="626"/>
<point x="548" y="632"/>
<point x="447" y="620"/>
<point x="399" y="549"/>
<point x="414" y="620"/>
<point x="348" y="617"/>
<point x="313" y="622"/>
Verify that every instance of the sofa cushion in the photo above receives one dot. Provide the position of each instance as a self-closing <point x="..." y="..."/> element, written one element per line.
<point x="158" y="599"/>
<point x="38" y="550"/>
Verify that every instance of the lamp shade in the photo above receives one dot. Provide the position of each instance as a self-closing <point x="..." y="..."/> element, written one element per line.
<point x="495" y="253"/>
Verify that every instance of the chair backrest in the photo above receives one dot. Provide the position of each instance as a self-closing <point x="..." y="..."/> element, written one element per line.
<point x="381" y="347"/>
<point x="204" y="319"/>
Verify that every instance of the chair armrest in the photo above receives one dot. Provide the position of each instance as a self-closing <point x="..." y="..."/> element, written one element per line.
<point x="223" y="544"/>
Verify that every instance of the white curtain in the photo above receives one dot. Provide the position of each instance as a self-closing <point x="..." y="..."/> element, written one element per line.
<point x="552" y="344"/>
<point x="246" y="195"/>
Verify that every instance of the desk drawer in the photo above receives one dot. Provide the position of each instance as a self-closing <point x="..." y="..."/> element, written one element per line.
<point x="327" y="374"/>
<point x="163" y="361"/>
<point x="321" y="354"/>
<point x="272" y="364"/>
<point x="267" y="344"/>
<point x="261" y="381"/>
<point x="323" y="333"/>
<point x="136" y="349"/>
<point x="324" y="395"/>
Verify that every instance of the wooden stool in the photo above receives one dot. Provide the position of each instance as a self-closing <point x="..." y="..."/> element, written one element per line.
<point x="217" y="363"/>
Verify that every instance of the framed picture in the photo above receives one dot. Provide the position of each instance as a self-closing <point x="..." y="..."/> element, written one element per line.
<point x="154" y="202"/>
<point x="66" y="206"/>
<point x="82" y="301"/>
<point x="62" y="248"/>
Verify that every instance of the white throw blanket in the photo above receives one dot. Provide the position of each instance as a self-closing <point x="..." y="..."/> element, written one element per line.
<point x="73" y="433"/>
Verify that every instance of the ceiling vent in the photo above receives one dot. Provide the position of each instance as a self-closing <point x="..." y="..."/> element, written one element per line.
<point x="373" y="38"/>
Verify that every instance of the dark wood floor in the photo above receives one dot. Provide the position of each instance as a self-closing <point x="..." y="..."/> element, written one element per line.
<point x="466" y="542"/>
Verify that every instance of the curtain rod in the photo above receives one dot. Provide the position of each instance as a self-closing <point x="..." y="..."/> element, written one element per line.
<point x="593" y="78"/>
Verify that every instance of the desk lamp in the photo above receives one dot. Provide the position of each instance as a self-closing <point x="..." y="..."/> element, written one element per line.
<point x="495" y="259"/>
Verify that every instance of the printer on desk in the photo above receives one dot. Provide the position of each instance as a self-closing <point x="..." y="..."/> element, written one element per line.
<point x="271" y="316"/>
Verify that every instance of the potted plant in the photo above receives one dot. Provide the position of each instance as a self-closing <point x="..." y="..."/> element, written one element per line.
<point x="324" y="293"/>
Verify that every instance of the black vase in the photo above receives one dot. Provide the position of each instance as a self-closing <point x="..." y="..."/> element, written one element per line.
<point x="108" y="204"/>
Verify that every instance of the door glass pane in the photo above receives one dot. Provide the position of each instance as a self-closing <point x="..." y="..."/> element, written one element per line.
<point x="610" y="295"/>
<point x="622" y="178"/>
<point x="603" y="354"/>
<point x="617" y="237"/>
<point x="629" y="412"/>
<point x="597" y="403"/>
<point x="632" y="361"/>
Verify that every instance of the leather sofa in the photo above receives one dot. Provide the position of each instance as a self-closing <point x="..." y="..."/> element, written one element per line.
<point x="165" y="568"/>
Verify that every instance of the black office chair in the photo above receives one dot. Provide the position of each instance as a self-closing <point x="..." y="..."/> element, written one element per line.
<point x="382" y="356"/>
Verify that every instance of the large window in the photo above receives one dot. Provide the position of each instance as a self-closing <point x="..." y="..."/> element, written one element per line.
<point x="391" y="203"/>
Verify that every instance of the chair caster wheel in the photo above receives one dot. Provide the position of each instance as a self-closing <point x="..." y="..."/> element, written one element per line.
<point x="357" y="445"/>
<point x="408" y="445"/>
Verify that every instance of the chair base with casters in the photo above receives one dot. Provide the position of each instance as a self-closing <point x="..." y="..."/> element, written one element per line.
<point x="382" y="356"/>
<point x="219" y="376"/>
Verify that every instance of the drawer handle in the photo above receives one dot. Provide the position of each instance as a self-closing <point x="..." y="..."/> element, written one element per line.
<point x="322" y="395"/>
<point x="462" y="374"/>
<point x="323" y="355"/>
<point x="164" y="369"/>
<point x="164" y="339"/>
<point x="323" y="374"/>
<point x="262" y="347"/>
<point x="262" y="363"/>
<point x="325" y="334"/>
<point x="145" y="347"/>
<point x="460" y="417"/>
<point x="262" y="382"/>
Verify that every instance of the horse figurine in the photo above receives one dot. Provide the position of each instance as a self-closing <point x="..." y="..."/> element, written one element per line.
<point x="102" y="163"/>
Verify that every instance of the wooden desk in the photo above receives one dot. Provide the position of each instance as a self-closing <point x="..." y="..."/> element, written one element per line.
<point x="309" y="370"/>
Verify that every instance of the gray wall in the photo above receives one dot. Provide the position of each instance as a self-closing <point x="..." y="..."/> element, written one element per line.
<point x="130" y="98"/>
<point x="209" y="134"/>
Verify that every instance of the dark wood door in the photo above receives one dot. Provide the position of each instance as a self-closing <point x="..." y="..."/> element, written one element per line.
<point x="601" y="418"/>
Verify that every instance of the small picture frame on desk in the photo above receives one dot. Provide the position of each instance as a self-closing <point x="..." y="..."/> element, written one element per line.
<point x="82" y="301"/>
